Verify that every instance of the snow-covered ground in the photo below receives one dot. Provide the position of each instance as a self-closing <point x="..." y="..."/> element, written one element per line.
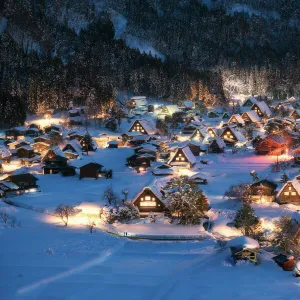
<point x="44" y="260"/>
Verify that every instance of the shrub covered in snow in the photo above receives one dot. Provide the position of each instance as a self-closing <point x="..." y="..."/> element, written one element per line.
<point x="186" y="200"/>
<point x="125" y="213"/>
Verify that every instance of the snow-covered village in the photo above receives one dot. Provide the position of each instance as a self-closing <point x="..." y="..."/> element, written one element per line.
<point x="151" y="193"/>
<point x="149" y="150"/>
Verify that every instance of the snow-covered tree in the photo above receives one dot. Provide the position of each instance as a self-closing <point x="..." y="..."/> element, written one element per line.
<point x="110" y="196"/>
<point x="246" y="221"/>
<point x="186" y="200"/>
<point x="254" y="175"/>
<point x="240" y="192"/>
<point x="64" y="212"/>
<point x="285" y="229"/>
<point x="284" y="178"/>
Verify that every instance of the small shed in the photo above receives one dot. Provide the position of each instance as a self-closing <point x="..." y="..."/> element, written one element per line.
<point x="90" y="170"/>
<point x="244" y="248"/>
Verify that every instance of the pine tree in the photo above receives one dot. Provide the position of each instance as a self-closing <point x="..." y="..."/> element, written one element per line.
<point x="245" y="220"/>
<point x="87" y="143"/>
<point x="284" y="178"/>
<point x="186" y="200"/>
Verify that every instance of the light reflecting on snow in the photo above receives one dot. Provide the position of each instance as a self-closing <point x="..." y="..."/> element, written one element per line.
<point x="72" y="271"/>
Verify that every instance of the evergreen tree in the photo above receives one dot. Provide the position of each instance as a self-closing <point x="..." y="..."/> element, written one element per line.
<point x="87" y="143"/>
<point x="245" y="220"/>
<point x="186" y="200"/>
<point x="284" y="178"/>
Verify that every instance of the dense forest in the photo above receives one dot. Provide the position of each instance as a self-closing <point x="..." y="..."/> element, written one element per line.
<point x="55" y="51"/>
<point x="45" y="63"/>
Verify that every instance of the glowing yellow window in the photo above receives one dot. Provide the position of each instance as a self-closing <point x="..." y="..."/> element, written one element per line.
<point x="147" y="198"/>
<point x="286" y="193"/>
<point x="177" y="158"/>
<point x="182" y="158"/>
<point x="294" y="193"/>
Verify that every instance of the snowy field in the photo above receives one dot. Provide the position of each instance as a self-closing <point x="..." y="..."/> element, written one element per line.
<point x="43" y="260"/>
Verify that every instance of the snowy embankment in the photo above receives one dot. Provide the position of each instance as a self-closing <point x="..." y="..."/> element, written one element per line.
<point x="42" y="261"/>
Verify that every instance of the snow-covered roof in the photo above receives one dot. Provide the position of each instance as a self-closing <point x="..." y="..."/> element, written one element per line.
<point x="238" y="118"/>
<point x="220" y="142"/>
<point x="4" y="152"/>
<point x="296" y="152"/>
<point x="243" y="242"/>
<point x="251" y="99"/>
<point x="297" y="111"/>
<point x="139" y="100"/>
<point x="76" y="146"/>
<point x="295" y="183"/>
<point x="26" y="147"/>
<point x="239" y="136"/>
<point x="264" y="108"/>
<point x="187" y="153"/>
<point x="147" y="124"/>
<point x="188" y="104"/>
<point x="113" y="142"/>
<point x="173" y="109"/>
<point x="9" y="185"/>
<point x="153" y="188"/>
<point x="57" y="151"/>
<point x="33" y="129"/>
<point x="253" y="116"/>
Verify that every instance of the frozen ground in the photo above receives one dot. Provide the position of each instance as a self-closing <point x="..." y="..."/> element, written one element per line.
<point x="80" y="265"/>
<point x="43" y="260"/>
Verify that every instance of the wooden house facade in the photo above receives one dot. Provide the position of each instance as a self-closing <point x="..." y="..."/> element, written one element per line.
<point x="263" y="191"/>
<point x="232" y="136"/>
<point x="262" y="109"/>
<point x="90" y="170"/>
<point x="25" y="181"/>
<point x="149" y="200"/>
<point x="216" y="146"/>
<point x="183" y="158"/>
<point x="290" y="192"/>
<point x="271" y="145"/>
<point x="198" y="135"/>
<point x="236" y="119"/>
<point x="295" y="114"/>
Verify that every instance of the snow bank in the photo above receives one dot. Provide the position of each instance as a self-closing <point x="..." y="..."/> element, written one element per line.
<point x="142" y="46"/>
<point x="244" y="242"/>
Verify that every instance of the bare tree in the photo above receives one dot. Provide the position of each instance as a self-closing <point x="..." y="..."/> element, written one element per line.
<point x="4" y="215"/>
<point x="110" y="196"/>
<point x="91" y="224"/>
<point x="64" y="212"/>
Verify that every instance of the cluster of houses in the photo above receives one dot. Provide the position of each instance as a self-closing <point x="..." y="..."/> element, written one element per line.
<point x="253" y="125"/>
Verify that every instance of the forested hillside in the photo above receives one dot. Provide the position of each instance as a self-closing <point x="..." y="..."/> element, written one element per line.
<point x="45" y="62"/>
<point x="56" y="51"/>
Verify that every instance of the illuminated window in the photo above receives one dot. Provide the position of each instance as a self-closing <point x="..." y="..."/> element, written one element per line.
<point x="290" y="188"/>
<point x="294" y="193"/>
<point x="153" y="199"/>
<point x="177" y="158"/>
<point x="286" y="193"/>
<point x="182" y="158"/>
<point x="147" y="198"/>
<point x="148" y="204"/>
<point x="179" y="154"/>
<point x="142" y="199"/>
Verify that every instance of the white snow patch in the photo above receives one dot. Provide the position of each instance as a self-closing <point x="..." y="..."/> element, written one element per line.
<point x="244" y="8"/>
<point x="120" y="23"/>
<point x="3" y="23"/>
<point x="142" y="46"/>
